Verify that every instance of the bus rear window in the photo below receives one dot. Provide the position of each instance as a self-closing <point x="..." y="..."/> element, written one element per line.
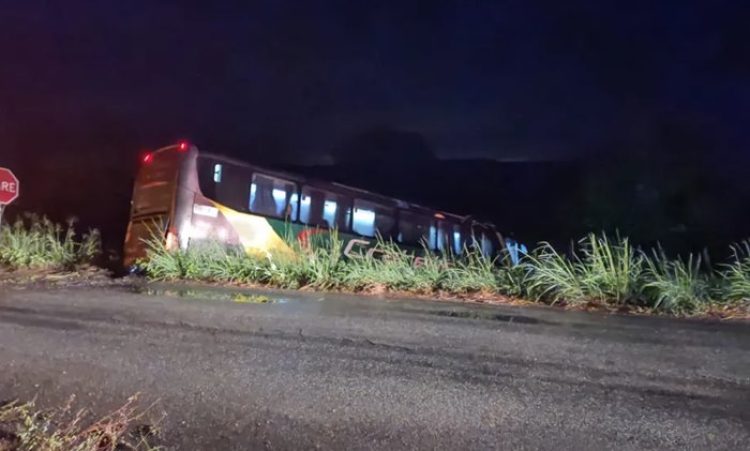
<point x="155" y="183"/>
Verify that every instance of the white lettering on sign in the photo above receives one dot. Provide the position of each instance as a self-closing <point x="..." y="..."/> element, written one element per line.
<point x="349" y="250"/>
<point x="9" y="187"/>
<point x="205" y="210"/>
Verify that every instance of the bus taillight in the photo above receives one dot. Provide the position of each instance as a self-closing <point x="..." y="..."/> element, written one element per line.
<point x="183" y="146"/>
<point x="173" y="241"/>
<point x="148" y="158"/>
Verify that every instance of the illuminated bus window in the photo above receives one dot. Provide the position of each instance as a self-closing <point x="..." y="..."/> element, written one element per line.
<point x="364" y="222"/>
<point x="304" y="207"/>
<point x="321" y="208"/>
<point x="433" y="237"/>
<point x="279" y="199"/>
<point x="217" y="173"/>
<point x="370" y="219"/>
<point x="330" y="208"/>
<point x="458" y="244"/>
<point x="444" y="236"/>
<point x="294" y="205"/>
<point x="253" y="191"/>
<point x="273" y="197"/>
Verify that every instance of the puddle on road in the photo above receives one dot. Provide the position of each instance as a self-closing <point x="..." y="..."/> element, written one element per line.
<point x="472" y="314"/>
<point x="208" y="294"/>
<point x="330" y="306"/>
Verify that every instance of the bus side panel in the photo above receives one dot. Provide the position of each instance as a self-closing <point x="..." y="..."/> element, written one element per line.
<point x="352" y="246"/>
<point x="188" y="190"/>
<point x="253" y="233"/>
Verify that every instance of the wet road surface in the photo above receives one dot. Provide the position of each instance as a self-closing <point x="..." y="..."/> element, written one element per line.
<point x="292" y="370"/>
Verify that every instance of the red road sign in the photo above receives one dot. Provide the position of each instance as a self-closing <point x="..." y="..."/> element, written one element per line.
<point x="8" y="187"/>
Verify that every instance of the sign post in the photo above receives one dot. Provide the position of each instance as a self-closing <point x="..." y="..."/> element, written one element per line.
<point x="9" y="189"/>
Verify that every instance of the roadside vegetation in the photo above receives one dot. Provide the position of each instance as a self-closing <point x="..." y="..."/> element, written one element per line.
<point x="598" y="271"/>
<point x="24" y="427"/>
<point x="37" y="243"/>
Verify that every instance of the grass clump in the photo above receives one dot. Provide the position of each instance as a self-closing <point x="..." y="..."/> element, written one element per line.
<point x="675" y="286"/>
<point x="736" y="274"/>
<point x="24" y="427"/>
<point x="38" y="243"/>
<point x="210" y="261"/>
<point x="391" y="267"/>
<point x="473" y="273"/>
<point x="320" y="264"/>
<point x="599" y="269"/>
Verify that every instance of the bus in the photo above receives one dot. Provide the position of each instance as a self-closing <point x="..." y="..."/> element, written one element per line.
<point x="186" y="197"/>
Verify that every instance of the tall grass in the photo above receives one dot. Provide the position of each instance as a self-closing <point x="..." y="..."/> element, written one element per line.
<point x="600" y="269"/>
<point x="25" y="427"/>
<point x="472" y="273"/>
<point x="321" y="265"/>
<point x="675" y="286"/>
<point x="39" y="243"/>
<point x="209" y="261"/>
<point x="737" y="273"/>
<point x="393" y="268"/>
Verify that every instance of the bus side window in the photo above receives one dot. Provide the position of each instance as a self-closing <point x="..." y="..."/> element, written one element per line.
<point x="325" y="209"/>
<point x="458" y="240"/>
<point x="370" y="219"/>
<point x="274" y="197"/>
<point x="337" y="211"/>
<point x="310" y="212"/>
<point x="218" y="168"/>
<point x="445" y="237"/>
<point x="233" y="189"/>
<point x="488" y="247"/>
<point x="415" y="229"/>
<point x="475" y="240"/>
<point x="206" y="184"/>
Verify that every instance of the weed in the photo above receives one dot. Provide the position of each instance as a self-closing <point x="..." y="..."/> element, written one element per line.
<point x="38" y="243"/>
<point x="24" y="427"/>
<point x="473" y="273"/>
<point x="599" y="269"/>
<point x="675" y="286"/>
<point x="737" y="274"/>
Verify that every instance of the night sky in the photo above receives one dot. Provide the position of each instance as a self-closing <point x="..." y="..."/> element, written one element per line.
<point x="511" y="81"/>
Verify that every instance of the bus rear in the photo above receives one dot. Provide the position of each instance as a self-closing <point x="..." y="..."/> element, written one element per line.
<point x="155" y="200"/>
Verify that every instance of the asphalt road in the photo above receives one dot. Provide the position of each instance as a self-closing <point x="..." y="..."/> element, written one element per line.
<point x="340" y="372"/>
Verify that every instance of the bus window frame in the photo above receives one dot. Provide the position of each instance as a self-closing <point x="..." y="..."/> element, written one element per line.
<point x="393" y="210"/>
<point x="349" y="203"/>
<point x="296" y="185"/>
<point x="413" y="213"/>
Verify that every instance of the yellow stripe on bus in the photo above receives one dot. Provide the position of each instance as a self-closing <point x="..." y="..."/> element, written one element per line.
<point x="255" y="233"/>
